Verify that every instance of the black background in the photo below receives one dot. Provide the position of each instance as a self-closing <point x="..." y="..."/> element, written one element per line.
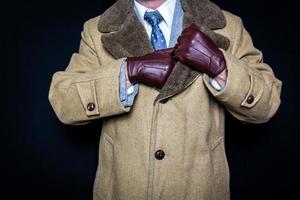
<point x="43" y="159"/>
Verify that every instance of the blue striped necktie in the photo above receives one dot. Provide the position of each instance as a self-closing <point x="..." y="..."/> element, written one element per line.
<point x="157" y="37"/>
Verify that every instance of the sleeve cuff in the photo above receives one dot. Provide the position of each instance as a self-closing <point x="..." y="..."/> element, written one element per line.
<point x="127" y="96"/>
<point x="215" y="84"/>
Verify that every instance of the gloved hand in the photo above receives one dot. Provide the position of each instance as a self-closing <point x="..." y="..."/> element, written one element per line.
<point x="197" y="51"/>
<point x="152" y="69"/>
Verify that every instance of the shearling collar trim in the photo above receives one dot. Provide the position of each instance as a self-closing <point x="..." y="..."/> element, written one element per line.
<point x="125" y="36"/>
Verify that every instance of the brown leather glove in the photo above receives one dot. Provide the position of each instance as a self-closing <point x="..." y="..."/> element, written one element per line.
<point x="152" y="69"/>
<point x="197" y="51"/>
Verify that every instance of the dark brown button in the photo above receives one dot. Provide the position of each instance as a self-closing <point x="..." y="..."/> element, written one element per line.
<point x="159" y="154"/>
<point x="91" y="106"/>
<point x="164" y="101"/>
<point x="250" y="99"/>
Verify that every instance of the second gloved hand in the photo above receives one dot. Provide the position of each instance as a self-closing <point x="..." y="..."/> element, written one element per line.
<point x="152" y="69"/>
<point x="197" y="51"/>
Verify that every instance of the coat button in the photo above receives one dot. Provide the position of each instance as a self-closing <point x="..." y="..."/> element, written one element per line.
<point x="91" y="106"/>
<point x="250" y="99"/>
<point x="164" y="101"/>
<point x="159" y="154"/>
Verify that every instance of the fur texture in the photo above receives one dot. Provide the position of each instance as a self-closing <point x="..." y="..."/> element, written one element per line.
<point x="121" y="26"/>
<point x="180" y="77"/>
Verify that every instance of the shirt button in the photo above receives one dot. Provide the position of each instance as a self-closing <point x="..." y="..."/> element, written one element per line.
<point x="91" y="106"/>
<point x="159" y="154"/>
<point x="250" y="99"/>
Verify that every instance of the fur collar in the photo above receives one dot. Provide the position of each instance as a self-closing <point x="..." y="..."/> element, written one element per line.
<point x="125" y="36"/>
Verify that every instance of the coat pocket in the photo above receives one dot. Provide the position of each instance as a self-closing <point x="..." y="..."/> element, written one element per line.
<point x="103" y="182"/>
<point x="220" y="170"/>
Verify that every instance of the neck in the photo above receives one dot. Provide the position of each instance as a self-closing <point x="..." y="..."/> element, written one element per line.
<point x="152" y="4"/>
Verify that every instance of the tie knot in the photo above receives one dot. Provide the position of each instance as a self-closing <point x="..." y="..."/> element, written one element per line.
<point x="153" y="18"/>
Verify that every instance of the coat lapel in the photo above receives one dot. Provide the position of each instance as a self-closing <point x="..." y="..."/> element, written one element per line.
<point x="125" y="36"/>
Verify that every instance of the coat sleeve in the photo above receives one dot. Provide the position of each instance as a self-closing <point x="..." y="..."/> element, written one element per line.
<point x="252" y="92"/>
<point x="86" y="90"/>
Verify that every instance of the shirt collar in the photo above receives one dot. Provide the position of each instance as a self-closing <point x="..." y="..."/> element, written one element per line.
<point x="166" y="10"/>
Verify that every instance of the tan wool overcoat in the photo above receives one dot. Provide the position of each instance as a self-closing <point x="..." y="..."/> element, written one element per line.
<point x="184" y="119"/>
